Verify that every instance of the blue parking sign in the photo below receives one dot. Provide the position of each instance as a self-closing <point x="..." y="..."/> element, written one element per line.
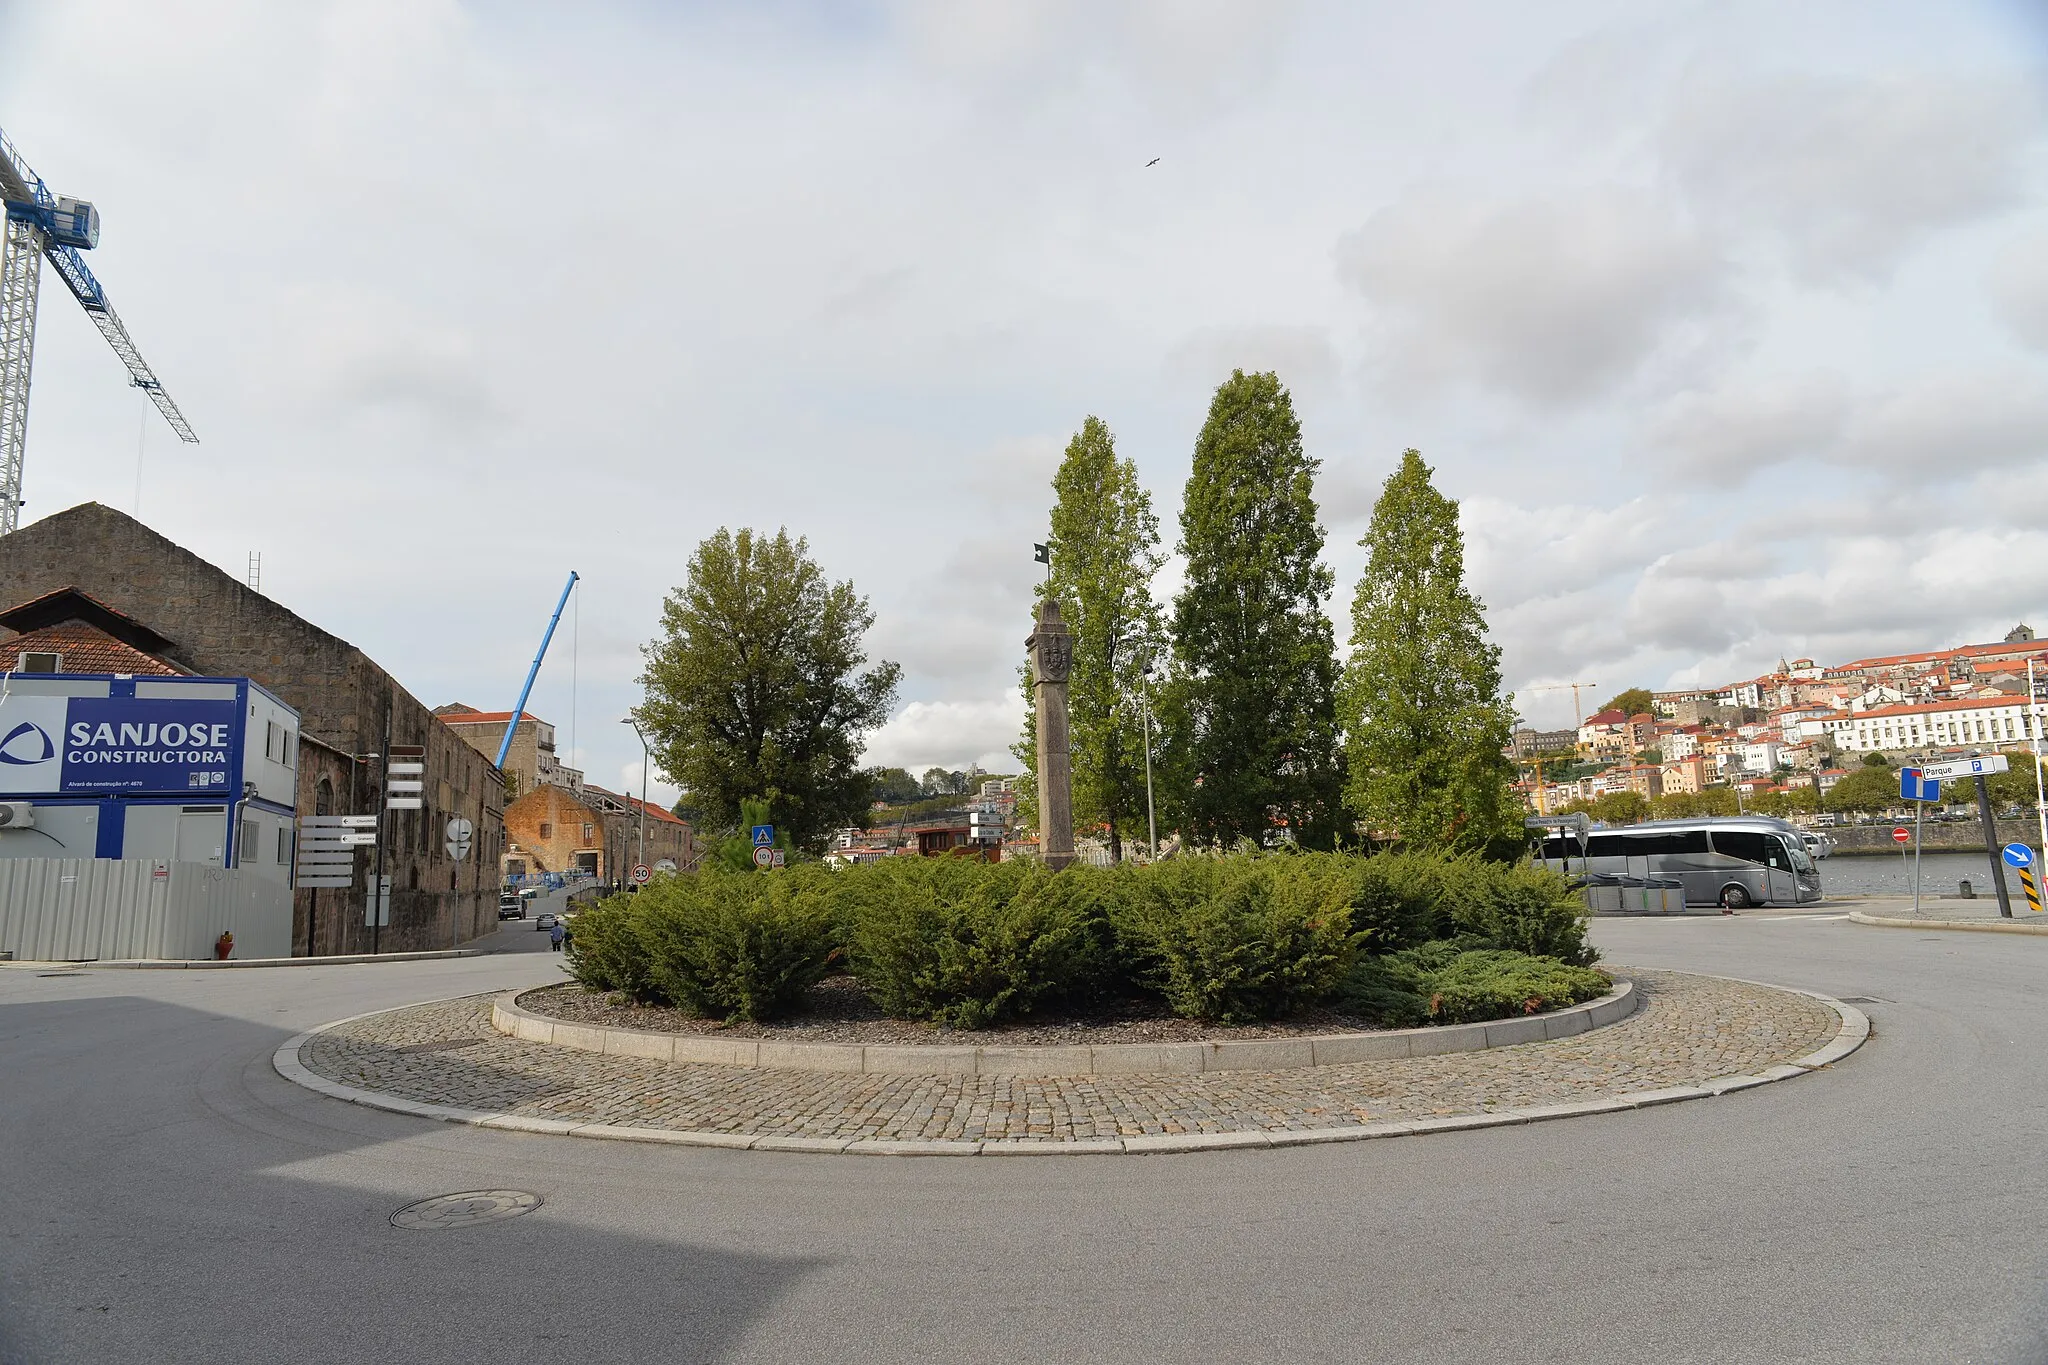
<point x="764" y="835"/>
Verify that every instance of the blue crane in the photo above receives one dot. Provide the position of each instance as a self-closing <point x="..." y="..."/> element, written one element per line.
<point x="519" y="707"/>
<point x="40" y="224"/>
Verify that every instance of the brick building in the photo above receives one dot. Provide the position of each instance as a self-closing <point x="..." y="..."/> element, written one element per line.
<point x="161" y="600"/>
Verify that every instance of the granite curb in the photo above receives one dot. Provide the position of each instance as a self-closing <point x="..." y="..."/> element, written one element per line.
<point x="1109" y="1059"/>
<point x="1978" y="926"/>
<point x="1853" y="1032"/>
<point x="135" y="964"/>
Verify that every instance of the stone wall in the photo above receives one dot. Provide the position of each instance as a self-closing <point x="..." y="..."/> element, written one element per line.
<point x="219" y="626"/>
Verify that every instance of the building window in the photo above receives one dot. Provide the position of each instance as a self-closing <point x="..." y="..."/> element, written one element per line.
<point x="547" y="831"/>
<point x="586" y="831"/>
<point x="284" y="848"/>
<point x="246" y="854"/>
<point x="38" y="661"/>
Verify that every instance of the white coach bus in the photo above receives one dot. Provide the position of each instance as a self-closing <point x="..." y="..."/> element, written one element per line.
<point x="1731" y="861"/>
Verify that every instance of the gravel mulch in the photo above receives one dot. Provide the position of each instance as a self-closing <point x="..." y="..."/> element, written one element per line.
<point x="836" y="1010"/>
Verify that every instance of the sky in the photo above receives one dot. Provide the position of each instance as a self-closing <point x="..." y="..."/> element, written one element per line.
<point x="1727" y="323"/>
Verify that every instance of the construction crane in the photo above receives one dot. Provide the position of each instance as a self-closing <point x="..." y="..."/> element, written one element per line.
<point x="41" y="224"/>
<point x="1578" y="721"/>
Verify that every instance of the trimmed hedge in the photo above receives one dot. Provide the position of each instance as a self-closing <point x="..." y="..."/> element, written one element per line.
<point x="721" y="944"/>
<point x="1240" y="939"/>
<point x="964" y="943"/>
<point x="1455" y="982"/>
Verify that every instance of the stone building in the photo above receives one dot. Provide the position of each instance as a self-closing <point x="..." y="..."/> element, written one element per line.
<point x="168" y="603"/>
<point x="592" y="832"/>
<point x="529" y="763"/>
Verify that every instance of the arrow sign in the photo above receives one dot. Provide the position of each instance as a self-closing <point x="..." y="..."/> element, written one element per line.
<point x="2017" y="855"/>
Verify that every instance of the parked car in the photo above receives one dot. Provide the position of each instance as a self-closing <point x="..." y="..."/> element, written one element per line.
<point x="511" y="907"/>
<point x="545" y="921"/>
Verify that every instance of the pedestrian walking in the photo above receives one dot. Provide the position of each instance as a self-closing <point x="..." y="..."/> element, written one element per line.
<point x="555" y="935"/>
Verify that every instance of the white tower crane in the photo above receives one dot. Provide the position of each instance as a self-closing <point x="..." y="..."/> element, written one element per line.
<point x="40" y="224"/>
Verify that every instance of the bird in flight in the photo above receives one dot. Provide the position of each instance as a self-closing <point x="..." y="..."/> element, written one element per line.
<point x="1153" y="162"/>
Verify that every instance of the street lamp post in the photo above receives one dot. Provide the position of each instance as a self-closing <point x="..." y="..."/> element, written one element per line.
<point x="642" y="859"/>
<point x="1151" y="815"/>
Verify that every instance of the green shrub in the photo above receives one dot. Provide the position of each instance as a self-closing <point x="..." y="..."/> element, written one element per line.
<point x="1498" y="984"/>
<point x="1452" y="982"/>
<point x="734" y="945"/>
<point x="1242" y="938"/>
<point x="1518" y="906"/>
<point x="606" y="952"/>
<point x="965" y="943"/>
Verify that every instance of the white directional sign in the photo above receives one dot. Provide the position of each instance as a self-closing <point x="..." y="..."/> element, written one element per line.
<point x="403" y="803"/>
<point x="337" y="822"/>
<point x="1982" y="766"/>
<point x="406" y="769"/>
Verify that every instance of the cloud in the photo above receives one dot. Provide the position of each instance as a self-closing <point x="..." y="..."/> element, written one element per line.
<point x="1731" y="432"/>
<point x="2018" y="286"/>
<point x="1554" y="299"/>
<point x="1846" y="172"/>
<point x="950" y="734"/>
<point x="1303" y="356"/>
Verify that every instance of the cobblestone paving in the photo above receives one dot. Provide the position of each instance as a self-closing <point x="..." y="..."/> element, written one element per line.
<point x="1688" y="1029"/>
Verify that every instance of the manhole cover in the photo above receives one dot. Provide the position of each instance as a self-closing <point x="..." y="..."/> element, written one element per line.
<point x="465" y="1209"/>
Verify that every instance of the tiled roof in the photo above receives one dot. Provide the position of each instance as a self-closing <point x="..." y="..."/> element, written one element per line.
<point x="1959" y="704"/>
<point x="484" y="717"/>
<point x="81" y="648"/>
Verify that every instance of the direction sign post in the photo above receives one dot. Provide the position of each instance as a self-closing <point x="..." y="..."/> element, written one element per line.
<point x="1979" y="767"/>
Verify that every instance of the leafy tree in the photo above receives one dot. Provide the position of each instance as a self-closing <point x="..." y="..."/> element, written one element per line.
<point x="1105" y="550"/>
<point x="1621" y="808"/>
<point x="1873" y="787"/>
<point x="1876" y="761"/>
<point x="756" y="686"/>
<point x="895" y="786"/>
<point x="1256" y="670"/>
<point x="1636" y="701"/>
<point x="1423" y="708"/>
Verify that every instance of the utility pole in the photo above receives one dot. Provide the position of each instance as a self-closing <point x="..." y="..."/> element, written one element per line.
<point x="1151" y="816"/>
<point x="641" y="861"/>
<point x="383" y="819"/>
<point x="1990" y="819"/>
<point x="2034" y="729"/>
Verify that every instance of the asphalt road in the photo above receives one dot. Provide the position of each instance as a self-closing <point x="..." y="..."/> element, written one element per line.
<point x="168" y="1198"/>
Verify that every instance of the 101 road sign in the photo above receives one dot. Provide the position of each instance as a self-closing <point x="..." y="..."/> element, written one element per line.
<point x="764" y="856"/>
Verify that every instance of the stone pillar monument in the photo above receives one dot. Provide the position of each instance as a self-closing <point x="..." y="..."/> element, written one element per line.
<point x="1052" y="654"/>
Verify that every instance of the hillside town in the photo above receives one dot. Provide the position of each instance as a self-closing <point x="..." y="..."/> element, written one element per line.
<point x="1791" y="733"/>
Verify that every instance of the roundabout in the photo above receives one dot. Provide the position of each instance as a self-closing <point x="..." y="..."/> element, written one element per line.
<point x="1659" y="1037"/>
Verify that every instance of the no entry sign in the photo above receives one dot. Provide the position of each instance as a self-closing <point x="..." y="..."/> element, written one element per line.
<point x="1901" y="834"/>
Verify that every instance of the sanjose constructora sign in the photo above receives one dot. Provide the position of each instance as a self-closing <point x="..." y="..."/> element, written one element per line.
<point x="54" y="746"/>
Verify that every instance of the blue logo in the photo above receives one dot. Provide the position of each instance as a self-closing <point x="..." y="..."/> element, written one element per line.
<point x="764" y="835"/>
<point x="23" y="754"/>
<point x="2018" y="855"/>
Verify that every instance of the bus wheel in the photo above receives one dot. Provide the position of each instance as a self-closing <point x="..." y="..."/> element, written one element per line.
<point x="1735" y="898"/>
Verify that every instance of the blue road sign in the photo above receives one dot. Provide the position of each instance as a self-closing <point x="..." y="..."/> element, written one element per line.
<point x="764" y="835"/>
<point x="1914" y="787"/>
<point x="2018" y="855"/>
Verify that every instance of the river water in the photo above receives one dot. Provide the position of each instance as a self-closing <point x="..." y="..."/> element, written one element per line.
<point x="1885" y="874"/>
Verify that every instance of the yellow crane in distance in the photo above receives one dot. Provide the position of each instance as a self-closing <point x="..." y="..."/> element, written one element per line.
<point x="1578" y="719"/>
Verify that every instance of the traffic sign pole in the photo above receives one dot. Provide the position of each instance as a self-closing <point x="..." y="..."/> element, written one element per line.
<point x="1990" y="820"/>
<point x="1919" y="815"/>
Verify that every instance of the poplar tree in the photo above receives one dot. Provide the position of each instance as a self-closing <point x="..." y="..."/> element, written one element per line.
<point x="1257" y="673"/>
<point x="1426" y="722"/>
<point x="1105" y="551"/>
